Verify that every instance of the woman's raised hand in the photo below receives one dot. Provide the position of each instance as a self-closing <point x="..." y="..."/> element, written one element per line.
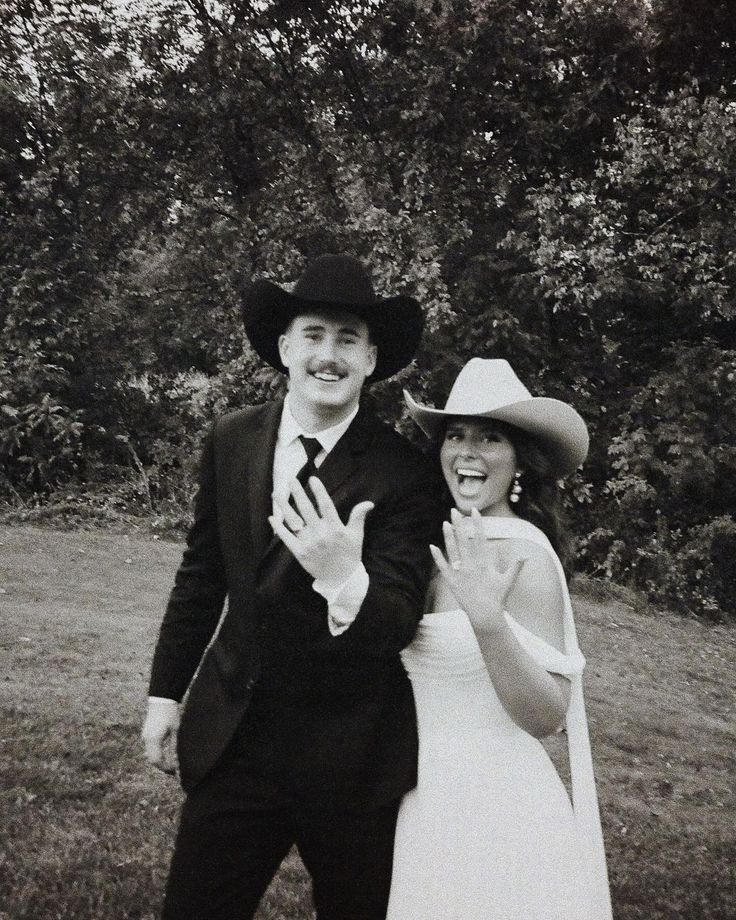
<point x="479" y="587"/>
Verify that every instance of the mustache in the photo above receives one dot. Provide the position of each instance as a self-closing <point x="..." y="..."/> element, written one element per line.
<point x="326" y="367"/>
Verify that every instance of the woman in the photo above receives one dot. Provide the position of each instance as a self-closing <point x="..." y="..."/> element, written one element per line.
<point x="489" y="833"/>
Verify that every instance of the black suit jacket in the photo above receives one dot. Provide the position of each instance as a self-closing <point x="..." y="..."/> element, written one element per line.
<point x="347" y="724"/>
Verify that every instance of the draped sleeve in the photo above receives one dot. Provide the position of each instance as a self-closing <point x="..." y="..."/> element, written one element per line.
<point x="546" y="656"/>
<point x="584" y="794"/>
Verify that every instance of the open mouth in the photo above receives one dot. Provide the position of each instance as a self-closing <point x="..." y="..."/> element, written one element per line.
<point x="469" y="481"/>
<point x="327" y="377"/>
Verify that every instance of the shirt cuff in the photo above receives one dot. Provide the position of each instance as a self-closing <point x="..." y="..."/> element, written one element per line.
<point x="344" y="600"/>
<point x="162" y="712"/>
<point x="162" y="705"/>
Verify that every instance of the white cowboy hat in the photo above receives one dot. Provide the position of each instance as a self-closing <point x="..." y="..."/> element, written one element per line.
<point x="490" y="388"/>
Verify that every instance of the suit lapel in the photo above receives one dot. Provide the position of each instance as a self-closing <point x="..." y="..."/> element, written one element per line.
<point x="258" y="476"/>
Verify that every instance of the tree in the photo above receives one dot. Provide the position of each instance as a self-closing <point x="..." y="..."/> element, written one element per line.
<point x="553" y="180"/>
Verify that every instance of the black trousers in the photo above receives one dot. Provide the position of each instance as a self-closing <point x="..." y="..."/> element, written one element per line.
<point x="236" y="828"/>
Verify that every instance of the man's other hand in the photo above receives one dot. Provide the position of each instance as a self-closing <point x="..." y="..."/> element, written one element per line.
<point x="159" y="733"/>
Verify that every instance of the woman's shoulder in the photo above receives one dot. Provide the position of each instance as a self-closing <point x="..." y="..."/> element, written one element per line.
<point x="539" y="578"/>
<point x="537" y="600"/>
<point x="539" y="553"/>
<point x="500" y="527"/>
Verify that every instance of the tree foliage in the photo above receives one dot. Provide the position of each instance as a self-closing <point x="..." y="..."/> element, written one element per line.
<point x="553" y="180"/>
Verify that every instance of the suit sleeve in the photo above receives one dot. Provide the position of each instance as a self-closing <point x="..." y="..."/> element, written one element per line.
<point x="196" y="601"/>
<point x="397" y="558"/>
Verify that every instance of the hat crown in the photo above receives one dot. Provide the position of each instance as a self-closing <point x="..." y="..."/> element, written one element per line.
<point x="337" y="279"/>
<point x="339" y="283"/>
<point x="483" y="385"/>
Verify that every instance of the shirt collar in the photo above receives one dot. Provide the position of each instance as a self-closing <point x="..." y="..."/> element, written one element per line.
<point x="290" y="429"/>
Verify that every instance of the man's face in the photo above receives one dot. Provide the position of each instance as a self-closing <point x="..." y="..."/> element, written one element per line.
<point x="328" y="356"/>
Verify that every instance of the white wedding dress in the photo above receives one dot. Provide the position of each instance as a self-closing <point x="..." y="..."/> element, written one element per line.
<point x="489" y="832"/>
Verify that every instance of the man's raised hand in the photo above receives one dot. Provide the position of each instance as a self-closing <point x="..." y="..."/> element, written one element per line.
<point x="327" y="549"/>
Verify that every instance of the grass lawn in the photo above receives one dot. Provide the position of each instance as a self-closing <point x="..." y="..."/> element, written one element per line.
<point x="86" y="828"/>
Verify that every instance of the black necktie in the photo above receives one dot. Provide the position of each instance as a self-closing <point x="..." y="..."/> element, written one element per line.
<point x="311" y="447"/>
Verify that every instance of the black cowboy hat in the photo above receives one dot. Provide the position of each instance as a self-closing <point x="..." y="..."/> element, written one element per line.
<point x="334" y="282"/>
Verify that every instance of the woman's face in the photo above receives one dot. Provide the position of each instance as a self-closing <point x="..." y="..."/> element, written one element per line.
<point x="478" y="462"/>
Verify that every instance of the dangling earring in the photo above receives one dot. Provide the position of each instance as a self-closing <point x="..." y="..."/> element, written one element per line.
<point x="515" y="488"/>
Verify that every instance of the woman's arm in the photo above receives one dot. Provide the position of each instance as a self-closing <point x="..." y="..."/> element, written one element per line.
<point x="535" y="699"/>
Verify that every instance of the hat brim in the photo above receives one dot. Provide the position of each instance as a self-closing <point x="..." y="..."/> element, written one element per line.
<point x="395" y="324"/>
<point x="556" y="425"/>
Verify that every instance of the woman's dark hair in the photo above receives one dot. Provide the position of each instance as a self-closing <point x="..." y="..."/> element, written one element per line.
<point x="540" y="500"/>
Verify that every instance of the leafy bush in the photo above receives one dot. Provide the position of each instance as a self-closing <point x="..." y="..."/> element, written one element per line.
<point x="40" y="443"/>
<point x="671" y="501"/>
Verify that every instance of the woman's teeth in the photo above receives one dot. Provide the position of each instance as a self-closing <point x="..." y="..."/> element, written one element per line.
<point x="329" y="378"/>
<point x="470" y="474"/>
<point x="469" y="481"/>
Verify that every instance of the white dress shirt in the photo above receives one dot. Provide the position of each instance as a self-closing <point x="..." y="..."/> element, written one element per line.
<point x="343" y="599"/>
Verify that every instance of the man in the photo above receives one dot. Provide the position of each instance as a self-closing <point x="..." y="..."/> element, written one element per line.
<point x="299" y="723"/>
